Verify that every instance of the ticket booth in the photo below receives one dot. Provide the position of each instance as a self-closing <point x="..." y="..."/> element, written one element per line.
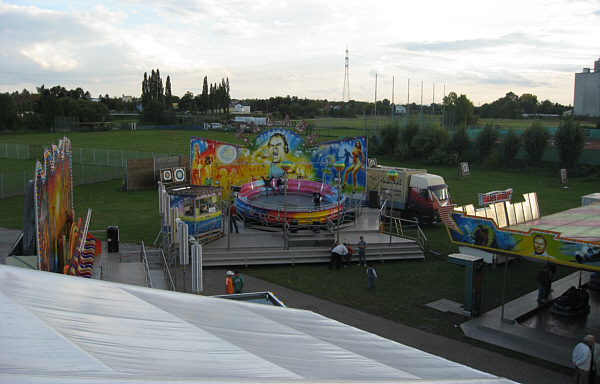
<point x="200" y="207"/>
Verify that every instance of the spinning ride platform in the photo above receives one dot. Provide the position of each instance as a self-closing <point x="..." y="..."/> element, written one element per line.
<point x="257" y="201"/>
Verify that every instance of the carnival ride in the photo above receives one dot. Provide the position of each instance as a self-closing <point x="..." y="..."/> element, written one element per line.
<point x="254" y="203"/>
<point x="513" y="229"/>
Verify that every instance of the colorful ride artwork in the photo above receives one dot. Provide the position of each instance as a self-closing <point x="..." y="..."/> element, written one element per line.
<point x="250" y="202"/>
<point x="53" y="206"/>
<point x="227" y="165"/>
<point x="199" y="207"/>
<point x="569" y="238"/>
<point x="63" y="244"/>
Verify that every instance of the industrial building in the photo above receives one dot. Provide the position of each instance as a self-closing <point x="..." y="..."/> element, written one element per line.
<point x="587" y="92"/>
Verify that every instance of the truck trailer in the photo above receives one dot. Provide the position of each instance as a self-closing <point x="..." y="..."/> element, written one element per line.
<point x="411" y="193"/>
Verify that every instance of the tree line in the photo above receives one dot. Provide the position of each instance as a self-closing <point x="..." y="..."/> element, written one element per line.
<point x="430" y="143"/>
<point x="158" y="101"/>
<point x="38" y="111"/>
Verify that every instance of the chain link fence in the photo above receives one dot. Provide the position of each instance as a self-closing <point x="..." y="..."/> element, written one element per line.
<point x="88" y="165"/>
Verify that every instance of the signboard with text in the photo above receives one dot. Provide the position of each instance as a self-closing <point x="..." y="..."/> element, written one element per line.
<point x="495" y="197"/>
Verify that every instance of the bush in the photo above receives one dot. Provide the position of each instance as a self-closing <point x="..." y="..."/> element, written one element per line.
<point x="486" y="141"/>
<point x="390" y="138"/>
<point x="460" y="143"/>
<point x="570" y="140"/>
<point x="535" y="141"/>
<point x="407" y="136"/>
<point x="510" y="146"/>
<point x="431" y="144"/>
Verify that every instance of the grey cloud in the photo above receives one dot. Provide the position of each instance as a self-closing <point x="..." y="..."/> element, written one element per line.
<point x="465" y="45"/>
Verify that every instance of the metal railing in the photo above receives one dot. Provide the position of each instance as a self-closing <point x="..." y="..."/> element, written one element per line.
<point x="166" y="271"/>
<point x="404" y="228"/>
<point x="144" y="260"/>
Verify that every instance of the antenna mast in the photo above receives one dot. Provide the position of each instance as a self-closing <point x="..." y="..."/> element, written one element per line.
<point x="346" y="92"/>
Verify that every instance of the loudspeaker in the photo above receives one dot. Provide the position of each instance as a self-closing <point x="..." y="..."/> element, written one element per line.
<point x="179" y="174"/>
<point x="166" y="176"/>
<point x="112" y="238"/>
<point x="373" y="199"/>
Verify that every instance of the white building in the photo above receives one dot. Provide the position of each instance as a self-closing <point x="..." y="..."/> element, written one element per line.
<point x="400" y="110"/>
<point x="587" y="92"/>
<point x="239" y="108"/>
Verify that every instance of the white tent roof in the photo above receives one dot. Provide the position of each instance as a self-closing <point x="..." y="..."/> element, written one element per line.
<point x="63" y="329"/>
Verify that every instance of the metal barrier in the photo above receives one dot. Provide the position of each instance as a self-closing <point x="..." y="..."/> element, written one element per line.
<point x="144" y="260"/>
<point x="167" y="272"/>
<point x="404" y="228"/>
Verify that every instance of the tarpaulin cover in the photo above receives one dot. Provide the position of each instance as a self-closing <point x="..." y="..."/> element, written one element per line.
<point x="64" y="329"/>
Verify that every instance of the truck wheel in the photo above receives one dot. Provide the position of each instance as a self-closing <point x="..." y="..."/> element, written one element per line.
<point x="414" y="216"/>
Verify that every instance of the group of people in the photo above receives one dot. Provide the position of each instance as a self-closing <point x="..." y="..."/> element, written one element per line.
<point x="234" y="283"/>
<point x="586" y="356"/>
<point x="270" y="183"/>
<point x="341" y="251"/>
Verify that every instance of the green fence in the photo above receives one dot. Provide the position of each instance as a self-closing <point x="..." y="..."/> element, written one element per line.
<point x="88" y="165"/>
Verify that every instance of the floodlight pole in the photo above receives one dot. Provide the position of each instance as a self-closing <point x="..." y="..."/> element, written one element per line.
<point x="338" y="205"/>
<point x="391" y="212"/>
<point x="392" y="176"/>
<point x="231" y="201"/>
<point x="339" y="166"/>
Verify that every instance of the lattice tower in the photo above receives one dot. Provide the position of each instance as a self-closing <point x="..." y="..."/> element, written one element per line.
<point x="346" y="92"/>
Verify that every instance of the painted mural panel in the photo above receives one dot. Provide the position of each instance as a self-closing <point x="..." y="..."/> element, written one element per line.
<point x="54" y="206"/>
<point x="535" y="243"/>
<point x="224" y="164"/>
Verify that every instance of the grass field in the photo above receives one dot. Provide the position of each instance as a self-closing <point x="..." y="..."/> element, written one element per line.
<point x="403" y="288"/>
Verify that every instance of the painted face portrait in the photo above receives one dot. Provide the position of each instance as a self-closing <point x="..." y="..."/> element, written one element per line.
<point x="277" y="149"/>
<point x="539" y="245"/>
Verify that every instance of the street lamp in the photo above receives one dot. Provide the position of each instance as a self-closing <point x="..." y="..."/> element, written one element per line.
<point x="339" y="166"/>
<point x="392" y="176"/>
<point x="285" y="166"/>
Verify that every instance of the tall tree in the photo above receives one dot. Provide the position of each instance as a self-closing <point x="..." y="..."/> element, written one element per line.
<point x="8" y="112"/>
<point x="535" y="141"/>
<point x="205" y="95"/>
<point x="511" y="145"/>
<point x="486" y="141"/>
<point x="528" y="103"/>
<point x="168" y="95"/>
<point x="570" y="140"/>
<point x="460" y="142"/>
<point x="461" y="108"/>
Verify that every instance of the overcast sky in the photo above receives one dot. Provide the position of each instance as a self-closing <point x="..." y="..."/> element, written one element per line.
<point x="479" y="48"/>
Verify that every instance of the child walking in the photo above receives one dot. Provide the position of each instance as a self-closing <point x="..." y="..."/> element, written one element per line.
<point x="371" y="276"/>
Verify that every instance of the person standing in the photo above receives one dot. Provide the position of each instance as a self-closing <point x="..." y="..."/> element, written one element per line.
<point x="543" y="282"/>
<point x="238" y="282"/>
<point x="362" y="246"/>
<point x="371" y="276"/>
<point x="317" y="198"/>
<point x="338" y="251"/>
<point x="582" y="360"/>
<point x="595" y="354"/>
<point x="269" y="185"/>
<point x="233" y="219"/>
<point x="229" y="283"/>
